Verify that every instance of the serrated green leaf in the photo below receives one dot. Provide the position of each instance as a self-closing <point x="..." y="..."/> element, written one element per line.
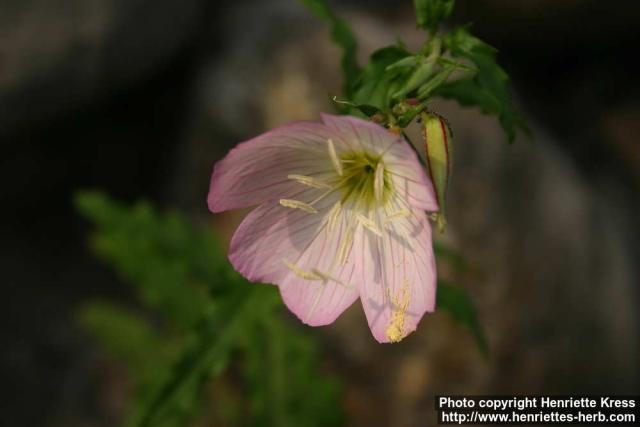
<point x="285" y="373"/>
<point x="457" y="303"/>
<point x="469" y="93"/>
<point x="205" y="358"/>
<point x="169" y="397"/>
<point x="131" y="340"/>
<point x="375" y="84"/>
<point x="126" y="335"/>
<point x="162" y="255"/>
<point x="341" y="35"/>
<point x="429" y="13"/>
<point x="489" y="88"/>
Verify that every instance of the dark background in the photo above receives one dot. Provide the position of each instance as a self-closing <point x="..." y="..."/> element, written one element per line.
<point x="123" y="95"/>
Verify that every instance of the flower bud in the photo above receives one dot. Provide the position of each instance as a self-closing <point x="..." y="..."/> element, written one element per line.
<point x="438" y="142"/>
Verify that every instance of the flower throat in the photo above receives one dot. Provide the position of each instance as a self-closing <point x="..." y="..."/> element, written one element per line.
<point x="364" y="179"/>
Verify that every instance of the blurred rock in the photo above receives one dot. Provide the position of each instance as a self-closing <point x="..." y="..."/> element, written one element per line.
<point x="61" y="55"/>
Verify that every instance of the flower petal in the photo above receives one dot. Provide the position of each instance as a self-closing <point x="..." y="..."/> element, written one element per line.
<point x="257" y="170"/>
<point x="401" y="282"/>
<point x="297" y="251"/>
<point x="410" y="180"/>
<point x="409" y="176"/>
<point x="360" y="134"/>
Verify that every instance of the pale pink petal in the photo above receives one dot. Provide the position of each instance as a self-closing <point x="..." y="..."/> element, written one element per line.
<point x="410" y="181"/>
<point x="273" y="236"/>
<point x="256" y="170"/>
<point x="358" y="134"/>
<point x="401" y="282"/>
<point x="410" y="177"/>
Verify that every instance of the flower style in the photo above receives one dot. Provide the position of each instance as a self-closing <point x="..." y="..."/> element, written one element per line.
<point x="341" y="215"/>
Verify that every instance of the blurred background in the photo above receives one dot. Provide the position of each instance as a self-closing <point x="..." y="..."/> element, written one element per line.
<point x="139" y="98"/>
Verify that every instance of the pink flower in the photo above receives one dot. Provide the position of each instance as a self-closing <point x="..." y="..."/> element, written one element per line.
<point x="340" y="216"/>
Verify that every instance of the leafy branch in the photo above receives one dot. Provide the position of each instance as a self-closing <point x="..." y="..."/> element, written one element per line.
<point x="396" y="84"/>
<point x="211" y="319"/>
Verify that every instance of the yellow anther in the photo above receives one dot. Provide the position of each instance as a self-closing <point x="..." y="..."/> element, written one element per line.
<point x="332" y="216"/>
<point x="345" y="246"/>
<point x="326" y="277"/>
<point x="308" y="275"/>
<point x="396" y="215"/>
<point x="368" y="224"/>
<point x="297" y="204"/>
<point x="395" y="331"/>
<point x="309" y="181"/>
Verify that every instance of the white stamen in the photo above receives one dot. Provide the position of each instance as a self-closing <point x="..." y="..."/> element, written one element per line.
<point x="370" y="225"/>
<point x="328" y="277"/>
<point x="308" y="275"/>
<point x="334" y="157"/>
<point x="297" y="204"/>
<point x="378" y="182"/>
<point x="345" y="245"/>
<point x="332" y="216"/>
<point x="396" y="215"/>
<point x="309" y="181"/>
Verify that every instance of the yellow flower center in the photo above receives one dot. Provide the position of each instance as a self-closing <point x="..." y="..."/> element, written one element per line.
<point x="364" y="180"/>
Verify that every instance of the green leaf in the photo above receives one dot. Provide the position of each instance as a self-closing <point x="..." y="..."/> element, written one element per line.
<point x="205" y="358"/>
<point x="470" y="93"/>
<point x="409" y="61"/>
<point x="281" y="369"/>
<point x="456" y="301"/>
<point x="489" y="88"/>
<point x="375" y="84"/>
<point x="162" y="255"/>
<point x="450" y="255"/>
<point x="420" y="74"/>
<point x="126" y="335"/>
<point x="429" y="13"/>
<point x="438" y="79"/>
<point x="143" y="350"/>
<point x="342" y="36"/>
<point x="170" y="365"/>
<point x="446" y="62"/>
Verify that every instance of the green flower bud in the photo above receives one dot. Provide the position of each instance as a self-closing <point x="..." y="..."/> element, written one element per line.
<point x="438" y="143"/>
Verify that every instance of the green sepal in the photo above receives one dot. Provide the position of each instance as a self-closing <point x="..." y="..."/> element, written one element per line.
<point x="439" y="151"/>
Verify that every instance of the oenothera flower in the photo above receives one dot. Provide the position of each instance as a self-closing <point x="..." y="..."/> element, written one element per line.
<point x="341" y="215"/>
